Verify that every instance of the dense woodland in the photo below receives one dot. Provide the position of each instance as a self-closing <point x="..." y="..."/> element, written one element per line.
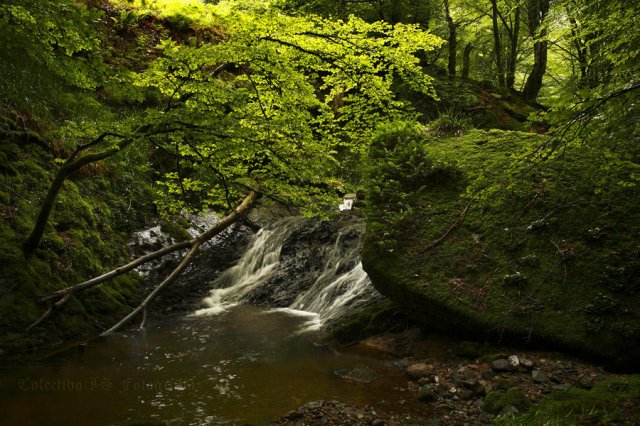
<point x="494" y="147"/>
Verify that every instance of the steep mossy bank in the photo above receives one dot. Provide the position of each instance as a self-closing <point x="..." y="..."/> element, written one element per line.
<point x="87" y="235"/>
<point x="474" y="235"/>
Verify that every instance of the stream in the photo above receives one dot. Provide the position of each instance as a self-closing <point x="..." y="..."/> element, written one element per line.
<point x="228" y="361"/>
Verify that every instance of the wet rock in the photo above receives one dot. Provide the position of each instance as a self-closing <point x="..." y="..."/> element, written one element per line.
<point x="417" y="371"/>
<point x="501" y="365"/>
<point x="428" y="393"/>
<point x="313" y="405"/>
<point x="360" y="373"/>
<point x="539" y="376"/>
<point x="293" y="415"/>
<point x="377" y="422"/>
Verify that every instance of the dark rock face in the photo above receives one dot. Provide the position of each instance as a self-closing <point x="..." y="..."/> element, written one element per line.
<point x="194" y="283"/>
<point x="304" y="258"/>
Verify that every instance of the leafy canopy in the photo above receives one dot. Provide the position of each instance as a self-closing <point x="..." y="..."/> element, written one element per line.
<point x="278" y="104"/>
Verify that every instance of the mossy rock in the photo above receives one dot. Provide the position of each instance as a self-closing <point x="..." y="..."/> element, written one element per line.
<point x="464" y="253"/>
<point x="496" y="401"/>
<point x="175" y="230"/>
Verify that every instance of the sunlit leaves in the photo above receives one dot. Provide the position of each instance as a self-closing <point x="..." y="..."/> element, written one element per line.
<point x="280" y="103"/>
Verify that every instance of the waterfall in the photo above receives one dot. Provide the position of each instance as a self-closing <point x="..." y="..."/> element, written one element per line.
<point x="326" y="282"/>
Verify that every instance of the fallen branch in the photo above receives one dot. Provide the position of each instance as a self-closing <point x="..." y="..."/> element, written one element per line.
<point x="195" y="247"/>
<point x="64" y="295"/>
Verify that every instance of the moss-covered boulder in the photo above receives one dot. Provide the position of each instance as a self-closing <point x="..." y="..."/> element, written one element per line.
<point x="475" y="235"/>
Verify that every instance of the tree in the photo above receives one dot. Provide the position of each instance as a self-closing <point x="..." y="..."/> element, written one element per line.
<point x="256" y="113"/>
<point x="453" y="41"/>
<point x="537" y="12"/>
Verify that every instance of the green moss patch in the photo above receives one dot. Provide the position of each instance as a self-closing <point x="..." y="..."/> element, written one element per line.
<point x="614" y="401"/>
<point x="470" y="236"/>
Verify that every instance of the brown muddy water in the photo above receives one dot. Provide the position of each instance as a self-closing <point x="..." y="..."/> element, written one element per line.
<point x="245" y="366"/>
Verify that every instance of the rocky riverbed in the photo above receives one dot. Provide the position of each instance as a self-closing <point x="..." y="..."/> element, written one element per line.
<point x="464" y="383"/>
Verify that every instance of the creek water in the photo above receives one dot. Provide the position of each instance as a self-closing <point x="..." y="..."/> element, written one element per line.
<point x="245" y="366"/>
<point x="226" y="363"/>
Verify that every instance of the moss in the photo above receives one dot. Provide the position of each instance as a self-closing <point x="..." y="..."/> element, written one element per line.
<point x="611" y="402"/>
<point x="175" y="230"/>
<point x="465" y="254"/>
<point x="497" y="401"/>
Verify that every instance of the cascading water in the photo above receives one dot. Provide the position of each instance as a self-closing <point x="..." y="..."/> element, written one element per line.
<point x="299" y="266"/>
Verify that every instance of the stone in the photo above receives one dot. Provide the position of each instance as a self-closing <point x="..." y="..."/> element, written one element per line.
<point x="539" y="376"/>
<point x="514" y="361"/>
<point x="527" y="363"/>
<point x="501" y="365"/>
<point x="293" y="415"/>
<point x="428" y="393"/>
<point x="312" y="405"/>
<point x="419" y="370"/>
<point x="360" y="373"/>
<point x="377" y="422"/>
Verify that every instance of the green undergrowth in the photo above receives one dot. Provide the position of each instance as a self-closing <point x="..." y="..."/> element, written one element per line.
<point x="44" y="115"/>
<point x="469" y="236"/>
<point x="471" y="103"/>
<point x="87" y="235"/>
<point x="612" y="402"/>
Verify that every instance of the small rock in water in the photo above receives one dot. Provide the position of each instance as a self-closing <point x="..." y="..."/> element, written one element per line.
<point x="428" y="393"/>
<point x="360" y="373"/>
<point x="500" y="365"/>
<point x="312" y="405"/>
<point x="417" y="371"/>
<point x="538" y="376"/>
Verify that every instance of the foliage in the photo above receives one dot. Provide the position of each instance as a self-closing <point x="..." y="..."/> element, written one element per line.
<point x="46" y="48"/>
<point x="277" y="104"/>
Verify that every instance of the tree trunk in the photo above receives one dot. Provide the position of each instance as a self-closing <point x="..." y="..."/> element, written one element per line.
<point x="70" y="167"/>
<point x="497" y="43"/>
<point x="453" y="41"/>
<point x="466" y="61"/>
<point x="514" y="34"/>
<point x="538" y="10"/>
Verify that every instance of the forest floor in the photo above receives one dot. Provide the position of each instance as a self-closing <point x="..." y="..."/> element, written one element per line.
<point x="466" y="383"/>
